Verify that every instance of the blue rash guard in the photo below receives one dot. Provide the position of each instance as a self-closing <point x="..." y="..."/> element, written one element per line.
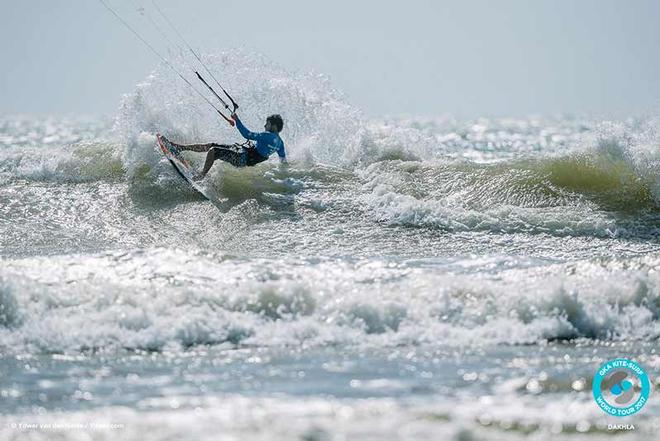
<point x="267" y="142"/>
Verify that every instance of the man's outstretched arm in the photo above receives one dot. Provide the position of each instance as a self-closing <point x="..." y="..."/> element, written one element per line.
<point x="247" y="134"/>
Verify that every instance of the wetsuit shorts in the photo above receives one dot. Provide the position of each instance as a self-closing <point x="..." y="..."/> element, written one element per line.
<point x="238" y="156"/>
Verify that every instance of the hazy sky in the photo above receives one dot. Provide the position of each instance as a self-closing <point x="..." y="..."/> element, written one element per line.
<point x="467" y="57"/>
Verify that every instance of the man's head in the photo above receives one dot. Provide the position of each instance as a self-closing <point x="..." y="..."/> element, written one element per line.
<point x="274" y="123"/>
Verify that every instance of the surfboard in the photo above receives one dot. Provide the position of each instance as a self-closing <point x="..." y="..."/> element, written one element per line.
<point x="186" y="171"/>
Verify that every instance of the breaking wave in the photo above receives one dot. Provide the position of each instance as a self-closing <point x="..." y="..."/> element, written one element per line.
<point x="609" y="187"/>
<point x="296" y="305"/>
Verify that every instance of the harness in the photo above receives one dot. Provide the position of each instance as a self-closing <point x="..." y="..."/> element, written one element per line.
<point x="240" y="146"/>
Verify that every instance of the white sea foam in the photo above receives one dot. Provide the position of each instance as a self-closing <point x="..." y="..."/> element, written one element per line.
<point x="318" y="124"/>
<point x="159" y="298"/>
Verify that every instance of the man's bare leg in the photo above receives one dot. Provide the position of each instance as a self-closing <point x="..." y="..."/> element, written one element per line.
<point x="198" y="147"/>
<point x="210" y="159"/>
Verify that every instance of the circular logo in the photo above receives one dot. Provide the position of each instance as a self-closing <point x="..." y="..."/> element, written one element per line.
<point x="621" y="387"/>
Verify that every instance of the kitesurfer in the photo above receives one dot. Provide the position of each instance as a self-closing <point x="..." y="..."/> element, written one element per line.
<point x="244" y="155"/>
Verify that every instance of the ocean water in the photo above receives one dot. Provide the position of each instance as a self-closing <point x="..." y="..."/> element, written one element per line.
<point x="404" y="278"/>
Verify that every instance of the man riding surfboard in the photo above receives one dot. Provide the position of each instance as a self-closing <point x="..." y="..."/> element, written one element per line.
<point x="266" y="143"/>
